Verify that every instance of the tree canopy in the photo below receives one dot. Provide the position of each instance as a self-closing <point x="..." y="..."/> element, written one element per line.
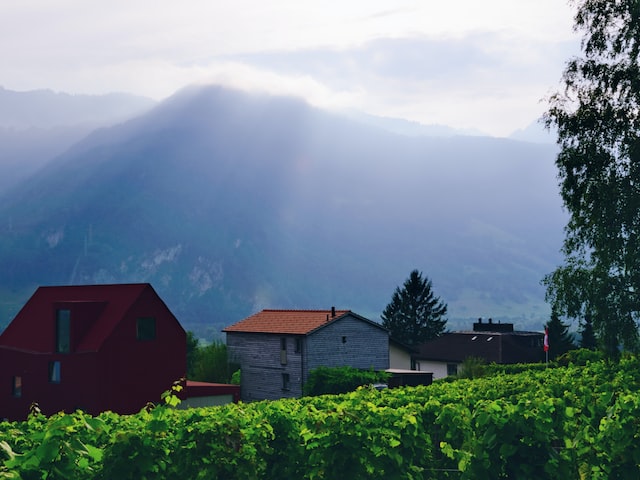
<point x="597" y="116"/>
<point x="415" y="315"/>
<point x="208" y="363"/>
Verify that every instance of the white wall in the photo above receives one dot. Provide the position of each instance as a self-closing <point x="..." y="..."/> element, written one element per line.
<point x="195" y="402"/>
<point x="439" y="369"/>
<point x="399" y="358"/>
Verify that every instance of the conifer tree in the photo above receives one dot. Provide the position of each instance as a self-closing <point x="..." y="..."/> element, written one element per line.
<point x="560" y="340"/>
<point x="588" y="337"/>
<point x="415" y="315"/>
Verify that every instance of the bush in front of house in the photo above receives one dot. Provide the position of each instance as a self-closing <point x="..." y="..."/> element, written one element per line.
<point x="335" y="380"/>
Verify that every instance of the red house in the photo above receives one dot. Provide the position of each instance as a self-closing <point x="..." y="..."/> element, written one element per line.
<point x="93" y="347"/>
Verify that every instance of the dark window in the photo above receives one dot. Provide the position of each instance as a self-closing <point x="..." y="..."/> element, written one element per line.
<point x="63" y="331"/>
<point x="298" y="345"/>
<point x="17" y="387"/>
<point x="452" y="368"/>
<point x="146" y="328"/>
<point x="344" y="339"/>
<point x="54" y="372"/>
<point x="283" y="351"/>
<point x="285" y="381"/>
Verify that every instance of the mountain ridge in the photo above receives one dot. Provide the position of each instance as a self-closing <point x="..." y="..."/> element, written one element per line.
<point x="230" y="202"/>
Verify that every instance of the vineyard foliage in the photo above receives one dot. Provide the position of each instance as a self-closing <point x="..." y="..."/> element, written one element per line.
<point x="574" y="422"/>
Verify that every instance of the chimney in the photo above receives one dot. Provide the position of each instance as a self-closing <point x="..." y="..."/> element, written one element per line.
<point x="333" y="312"/>
<point x="491" y="320"/>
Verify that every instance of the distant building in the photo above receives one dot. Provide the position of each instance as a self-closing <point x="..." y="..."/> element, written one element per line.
<point x="276" y="349"/>
<point x="490" y="341"/>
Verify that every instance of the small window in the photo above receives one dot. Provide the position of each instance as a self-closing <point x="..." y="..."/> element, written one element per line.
<point x="298" y="345"/>
<point x="63" y="331"/>
<point x="452" y="368"/>
<point x="344" y="339"/>
<point x="146" y="328"/>
<point x="283" y="351"/>
<point x="286" y="381"/>
<point x="54" y="372"/>
<point x="17" y="387"/>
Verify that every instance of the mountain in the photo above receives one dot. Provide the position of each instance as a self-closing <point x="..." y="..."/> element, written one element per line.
<point x="47" y="109"/>
<point x="409" y="127"/>
<point x="37" y="125"/>
<point x="535" y="132"/>
<point x="229" y="202"/>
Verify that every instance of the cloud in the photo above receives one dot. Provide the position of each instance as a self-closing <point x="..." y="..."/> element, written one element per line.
<point x="481" y="80"/>
<point x="437" y="62"/>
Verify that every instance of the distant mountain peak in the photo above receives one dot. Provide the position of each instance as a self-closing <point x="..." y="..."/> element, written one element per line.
<point x="47" y="109"/>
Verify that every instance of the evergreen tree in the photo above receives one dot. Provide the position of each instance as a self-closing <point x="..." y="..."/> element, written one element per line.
<point x="597" y="116"/>
<point x="588" y="337"/>
<point x="560" y="340"/>
<point x="415" y="314"/>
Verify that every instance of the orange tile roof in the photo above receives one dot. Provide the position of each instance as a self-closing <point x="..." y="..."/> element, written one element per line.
<point x="294" y="322"/>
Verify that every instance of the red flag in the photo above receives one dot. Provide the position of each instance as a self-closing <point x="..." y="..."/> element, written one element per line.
<point x="546" y="339"/>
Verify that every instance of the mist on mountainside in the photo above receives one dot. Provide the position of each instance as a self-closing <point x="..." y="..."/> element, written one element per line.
<point x="38" y="125"/>
<point x="230" y="202"/>
<point x="48" y="109"/>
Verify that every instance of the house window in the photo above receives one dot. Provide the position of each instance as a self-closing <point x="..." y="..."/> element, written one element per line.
<point x="285" y="381"/>
<point x="344" y="339"/>
<point x="63" y="331"/>
<point x="146" y="328"/>
<point x="298" y="345"/>
<point x="54" y="372"/>
<point x="283" y="351"/>
<point x="452" y="368"/>
<point x="16" y="390"/>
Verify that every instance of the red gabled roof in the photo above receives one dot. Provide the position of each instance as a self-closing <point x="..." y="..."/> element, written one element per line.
<point x="26" y="332"/>
<point x="293" y="322"/>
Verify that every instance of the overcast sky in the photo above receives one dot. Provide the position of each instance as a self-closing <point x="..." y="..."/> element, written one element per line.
<point x="485" y="65"/>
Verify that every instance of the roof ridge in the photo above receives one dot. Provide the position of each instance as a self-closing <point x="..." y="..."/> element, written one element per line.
<point x="310" y="310"/>
<point x="298" y="322"/>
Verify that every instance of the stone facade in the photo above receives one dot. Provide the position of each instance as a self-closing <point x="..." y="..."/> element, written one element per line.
<point x="276" y="365"/>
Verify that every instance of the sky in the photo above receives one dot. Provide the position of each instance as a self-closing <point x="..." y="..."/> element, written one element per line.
<point x="469" y="64"/>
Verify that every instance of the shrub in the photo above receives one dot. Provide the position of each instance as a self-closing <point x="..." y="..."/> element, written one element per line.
<point x="472" y="367"/>
<point x="579" y="357"/>
<point x="334" y="380"/>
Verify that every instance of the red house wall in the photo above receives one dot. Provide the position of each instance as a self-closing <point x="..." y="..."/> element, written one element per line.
<point x="122" y="375"/>
<point x="136" y="372"/>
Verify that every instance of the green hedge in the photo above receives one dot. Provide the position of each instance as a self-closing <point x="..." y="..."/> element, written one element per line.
<point x="336" y="380"/>
<point x="568" y="422"/>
